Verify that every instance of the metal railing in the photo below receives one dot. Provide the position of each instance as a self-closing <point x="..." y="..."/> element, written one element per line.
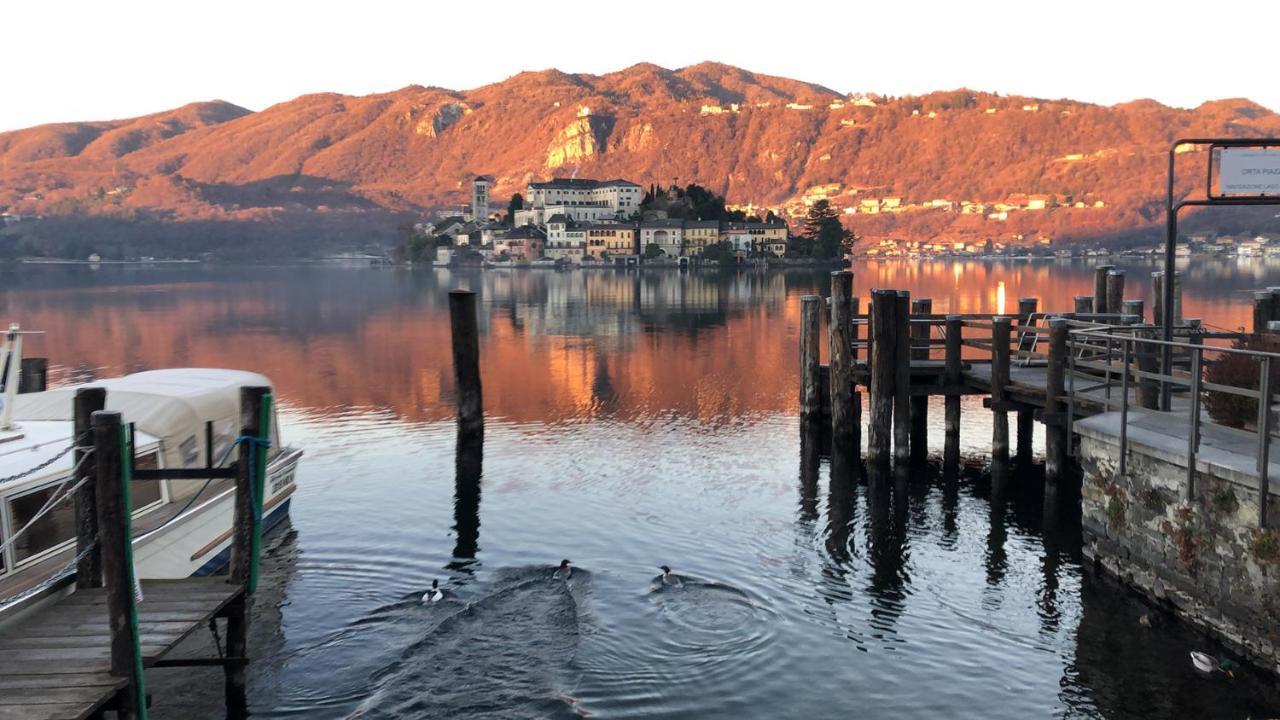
<point x="1119" y="356"/>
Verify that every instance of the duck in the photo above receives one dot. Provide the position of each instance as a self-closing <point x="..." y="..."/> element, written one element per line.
<point x="1204" y="662"/>
<point x="435" y="594"/>
<point x="563" y="572"/>
<point x="668" y="578"/>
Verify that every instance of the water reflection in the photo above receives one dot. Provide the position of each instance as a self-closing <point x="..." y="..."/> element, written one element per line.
<point x="468" y="468"/>
<point x="633" y="419"/>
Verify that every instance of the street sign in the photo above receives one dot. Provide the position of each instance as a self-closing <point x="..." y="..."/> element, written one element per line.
<point x="1249" y="171"/>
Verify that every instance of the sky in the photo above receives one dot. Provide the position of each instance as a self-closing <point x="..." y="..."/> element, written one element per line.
<point x="74" y="60"/>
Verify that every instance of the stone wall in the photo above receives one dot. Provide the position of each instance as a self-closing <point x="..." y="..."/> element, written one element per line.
<point x="1206" y="559"/>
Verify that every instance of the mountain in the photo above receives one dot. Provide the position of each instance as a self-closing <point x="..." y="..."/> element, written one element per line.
<point x="340" y="169"/>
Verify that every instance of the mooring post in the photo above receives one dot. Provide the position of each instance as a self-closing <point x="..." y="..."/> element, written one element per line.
<point x="1157" y="301"/>
<point x="902" y="383"/>
<point x="810" y="385"/>
<point x="1083" y="304"/>
<point x="1135" y="309"/>
<point x="1100" y="300"/>
<point x="1115" y="291"/>
<point x="1177" y="298"/>
<point x="1057" y="434"/>
<point x="1027" y="308"/>
<point x="921" y="333"/>
<point x="999" y="382"/>
<point x="1261" y="312"/>
<point x="1147" y="356"/>
<point x="465" y="335"/>
<point x="883" y="375"/>
<point x="115" y="541"/>
<point x="246" y="537"/>
<point x="88" y="400"/>
<point x="840" y="351"/>
<point x="954" y="378"/>
<point x="33" y="375"/>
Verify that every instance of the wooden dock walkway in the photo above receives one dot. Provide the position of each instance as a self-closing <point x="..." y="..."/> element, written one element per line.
<point x="56" y="665"/>
<point x="78" y="655"/>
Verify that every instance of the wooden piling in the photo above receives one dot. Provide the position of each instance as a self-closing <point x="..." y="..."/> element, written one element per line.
<point x="33" y="375"/>
<point x="88" y="400"/>
<point x="883" y="374"/>
<point x="1262" y="308"/>
<point x="1084" y="304"/>
<point x="954" y="378"/>
<point x="902" y="381"/>
<point x="1100" y="300"/>
<point x="245" y="543"/>
<point x="1027" y="308"/>
<point x="1157" y="285"/>
<point x="1147" y="359"/>
<point x="1115" y="291"/>
<point x="810" y="384"/>
<point x="1000" y="332"/>
<point x="466" y="361"/>
<point x="840" y="344"/>
<point x="1178" y="299"/>
<point x="114" y="546"/>
<point x="1057" y="435"/>
<point x="1135" y="309"/>
<point x="920" y="335"/>
<point x="1157" y="303"/>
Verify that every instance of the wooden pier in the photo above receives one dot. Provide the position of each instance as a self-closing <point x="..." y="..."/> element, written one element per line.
<point x="85" y="652"/>
<point x="1027" y="363"/>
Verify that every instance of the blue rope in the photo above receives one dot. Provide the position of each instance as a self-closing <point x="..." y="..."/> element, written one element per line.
<point x="249" y="440"/>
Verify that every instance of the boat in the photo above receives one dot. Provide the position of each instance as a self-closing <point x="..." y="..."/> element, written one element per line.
<point x="182" y="418"/>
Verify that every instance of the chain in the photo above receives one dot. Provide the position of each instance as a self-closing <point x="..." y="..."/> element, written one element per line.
<point x="41" y="466"/>
<point x="56" y="577"/>
<point x="217" y="639"/>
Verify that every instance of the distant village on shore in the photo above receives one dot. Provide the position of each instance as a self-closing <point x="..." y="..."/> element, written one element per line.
<point x="579" y="221"/>
<point x="607" y="223"/>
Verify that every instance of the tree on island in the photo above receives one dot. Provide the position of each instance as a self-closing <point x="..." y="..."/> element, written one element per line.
<point x="718" y="252"/>
<point x="652" y="250"/>
<point x="517" y="203"/>
<point x="822" y="235"/>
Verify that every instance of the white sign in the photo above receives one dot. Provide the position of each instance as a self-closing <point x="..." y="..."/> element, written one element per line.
<point x="1249" y="171"/>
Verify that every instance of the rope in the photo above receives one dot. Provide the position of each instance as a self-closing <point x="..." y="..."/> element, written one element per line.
<point x="192" y="501"/>
<point x="53" y="501"/>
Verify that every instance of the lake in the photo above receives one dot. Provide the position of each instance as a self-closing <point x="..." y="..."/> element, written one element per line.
<point x="633" y="419"/>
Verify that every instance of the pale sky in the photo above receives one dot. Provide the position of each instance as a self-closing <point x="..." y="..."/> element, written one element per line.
<point x="93" y="60"/>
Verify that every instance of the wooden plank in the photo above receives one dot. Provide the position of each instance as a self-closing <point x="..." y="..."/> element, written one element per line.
<point x="89" y="629"/>
<point x="72" y="711"/>
<point x="58" y="680"/>
<point x="27" y="697"/>
<point x="70" y="654"/>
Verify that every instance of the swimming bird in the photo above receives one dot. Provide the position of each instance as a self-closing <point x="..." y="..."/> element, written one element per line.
<point x="435" y="594"/>
<point x="564" y="570"/>
<point x="668" y="578"/>
<point x="1207" y="663"/>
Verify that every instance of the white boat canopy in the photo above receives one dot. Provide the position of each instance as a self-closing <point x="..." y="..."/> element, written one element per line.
<point x="172" y="405"/>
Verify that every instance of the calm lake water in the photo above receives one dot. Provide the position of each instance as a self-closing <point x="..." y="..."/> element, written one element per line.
<point x="634" y="419"/>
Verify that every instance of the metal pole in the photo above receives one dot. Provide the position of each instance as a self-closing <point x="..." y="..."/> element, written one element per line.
<point x="1264" y="438"/>
<point x="1193" y="425"/>
<point x="1124" y="406"/>
<point x="1166" y="321"/>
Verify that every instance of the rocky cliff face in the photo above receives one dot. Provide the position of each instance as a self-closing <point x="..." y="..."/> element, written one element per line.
<point x="754" y="138"/>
